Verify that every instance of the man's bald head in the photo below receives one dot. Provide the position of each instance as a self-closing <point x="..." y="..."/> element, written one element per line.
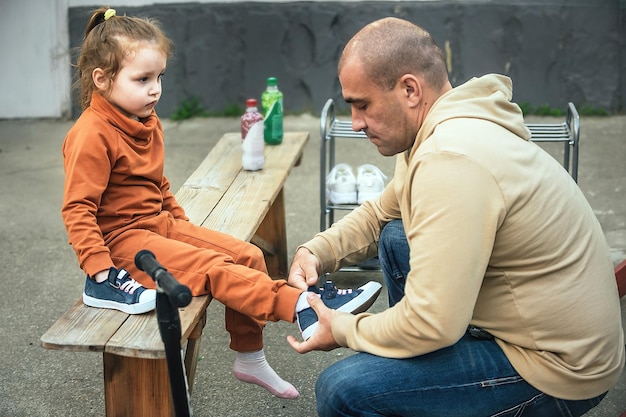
<point x="389" y="48"/>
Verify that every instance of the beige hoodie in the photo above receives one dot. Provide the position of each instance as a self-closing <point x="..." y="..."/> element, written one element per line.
<point x="500" y="237"/>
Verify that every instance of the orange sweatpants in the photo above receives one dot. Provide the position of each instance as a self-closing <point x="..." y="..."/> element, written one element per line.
<point x="207" y="261"/>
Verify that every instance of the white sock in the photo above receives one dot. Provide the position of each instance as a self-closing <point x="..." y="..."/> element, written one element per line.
<point x="252" y="367"/>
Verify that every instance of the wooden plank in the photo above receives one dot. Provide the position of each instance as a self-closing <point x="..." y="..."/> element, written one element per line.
<point x="83" y="328"/>
<point x="250" y="196"/>
<point x="206" y="186"/>
<point x="252" y="193"/>
<point x="273" y="231"/>
<point x="139" y="336"/>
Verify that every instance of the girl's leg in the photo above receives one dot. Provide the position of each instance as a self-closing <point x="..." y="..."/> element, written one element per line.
<point x="235" y="274"/>
<point x="233" y="271"/>
<point x="252" y="367"/>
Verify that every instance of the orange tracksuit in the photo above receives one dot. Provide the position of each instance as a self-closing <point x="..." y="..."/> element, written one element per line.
<point x="117" y="201"/>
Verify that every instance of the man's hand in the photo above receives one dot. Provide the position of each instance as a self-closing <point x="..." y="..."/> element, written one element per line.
<point x="322" y="338"/>
<point x="304" y="271"/>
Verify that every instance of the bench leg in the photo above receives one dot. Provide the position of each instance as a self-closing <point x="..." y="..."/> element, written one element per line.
<point x="193" y="348"/>
<point x="136" y="387"/>
<point x="271" y="236"/>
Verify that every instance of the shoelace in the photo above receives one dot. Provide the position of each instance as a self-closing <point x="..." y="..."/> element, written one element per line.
<point x="331" y="291"/>
<point x="130" y="285"/>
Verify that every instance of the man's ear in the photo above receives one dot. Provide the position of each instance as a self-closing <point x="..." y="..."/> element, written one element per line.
<point x="100" y="80"/>
<point x="411" y="89"/>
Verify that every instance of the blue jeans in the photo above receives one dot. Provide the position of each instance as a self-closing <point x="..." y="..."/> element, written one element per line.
<point x="471" y="378"/>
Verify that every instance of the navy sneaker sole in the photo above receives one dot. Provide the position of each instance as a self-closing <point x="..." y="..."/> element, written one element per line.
<point x="136" y="308"/>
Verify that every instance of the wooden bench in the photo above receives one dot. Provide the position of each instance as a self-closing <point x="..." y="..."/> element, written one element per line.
<point x="219" y="195"/>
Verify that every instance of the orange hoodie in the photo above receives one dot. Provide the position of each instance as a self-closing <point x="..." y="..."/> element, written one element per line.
<point x="113" y="178"/>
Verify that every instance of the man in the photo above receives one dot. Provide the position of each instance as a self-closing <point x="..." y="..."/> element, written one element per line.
<point x="502" y="294"/>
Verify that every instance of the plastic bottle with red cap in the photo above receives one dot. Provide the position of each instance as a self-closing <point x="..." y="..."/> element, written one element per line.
<point x="253" y="144"/>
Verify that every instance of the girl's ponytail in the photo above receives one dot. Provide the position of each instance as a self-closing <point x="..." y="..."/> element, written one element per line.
<point x="99" y="16"/>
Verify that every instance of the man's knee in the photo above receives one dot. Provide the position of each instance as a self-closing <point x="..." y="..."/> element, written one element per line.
<point x="340" y="386"/>
<point x="392" y="240"/>
<point x="329" y="389"/>
<point x="392" y="230"/>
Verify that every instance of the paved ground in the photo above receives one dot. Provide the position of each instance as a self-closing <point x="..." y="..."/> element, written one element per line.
<point x="41" y="278"/>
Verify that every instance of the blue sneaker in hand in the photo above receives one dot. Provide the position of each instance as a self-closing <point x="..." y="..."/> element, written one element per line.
<point x="348" y="301"/>
<point x="119" y="292"/>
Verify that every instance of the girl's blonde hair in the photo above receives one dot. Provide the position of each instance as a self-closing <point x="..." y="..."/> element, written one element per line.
<point x="108" y="40"/>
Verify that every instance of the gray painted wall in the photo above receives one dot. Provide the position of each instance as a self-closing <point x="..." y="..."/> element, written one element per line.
<point x="554" y="50"/>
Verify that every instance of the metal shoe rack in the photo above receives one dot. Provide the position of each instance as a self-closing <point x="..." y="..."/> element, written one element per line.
<point x="331" y="128"/>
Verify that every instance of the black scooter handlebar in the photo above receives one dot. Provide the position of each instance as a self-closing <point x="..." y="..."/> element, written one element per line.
<point x="179" y="294"/>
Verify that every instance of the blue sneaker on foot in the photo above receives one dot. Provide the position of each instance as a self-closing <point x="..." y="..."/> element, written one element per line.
<point x="348" y="301"/>
<point x="119" y="292"/>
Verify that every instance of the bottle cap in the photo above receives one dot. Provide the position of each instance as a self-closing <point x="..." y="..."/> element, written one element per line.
<point x="251" y="102"/>
<point x="271" y="81"/>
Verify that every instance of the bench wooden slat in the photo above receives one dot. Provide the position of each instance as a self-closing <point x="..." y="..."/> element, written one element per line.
<point x="139" y="336"/>
<point x="257" y="201"/>
<point x="206" y="185"/>
<point x="83" y="328"/>
<point x="260" y="189"/>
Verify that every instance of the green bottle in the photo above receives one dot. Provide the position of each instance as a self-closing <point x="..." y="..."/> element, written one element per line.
<point x="272" y="104"/>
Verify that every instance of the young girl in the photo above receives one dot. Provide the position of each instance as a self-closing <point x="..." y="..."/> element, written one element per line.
<point x="117" y="201"/>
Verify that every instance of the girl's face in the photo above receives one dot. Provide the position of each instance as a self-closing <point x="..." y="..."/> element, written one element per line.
<point x="136" y="88"/>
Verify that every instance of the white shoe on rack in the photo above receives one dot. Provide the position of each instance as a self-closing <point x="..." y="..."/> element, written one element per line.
<point x="341" y="185"/>
<point x="370" y="182"/>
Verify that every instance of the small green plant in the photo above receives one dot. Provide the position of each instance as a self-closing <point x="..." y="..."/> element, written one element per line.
<point x="587" y="110"/>
<point x="233" y="110"/>
<point x="189" y="108"/>
<point x="546" y="110"/>
<point x="543" y="110"/>
<point x="525" y="107"/>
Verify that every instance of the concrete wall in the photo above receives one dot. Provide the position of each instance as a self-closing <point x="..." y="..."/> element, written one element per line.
<point x="555" y="50"/>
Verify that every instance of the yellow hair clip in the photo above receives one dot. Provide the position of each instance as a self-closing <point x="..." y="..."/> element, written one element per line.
<point x="109" y="14"/>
